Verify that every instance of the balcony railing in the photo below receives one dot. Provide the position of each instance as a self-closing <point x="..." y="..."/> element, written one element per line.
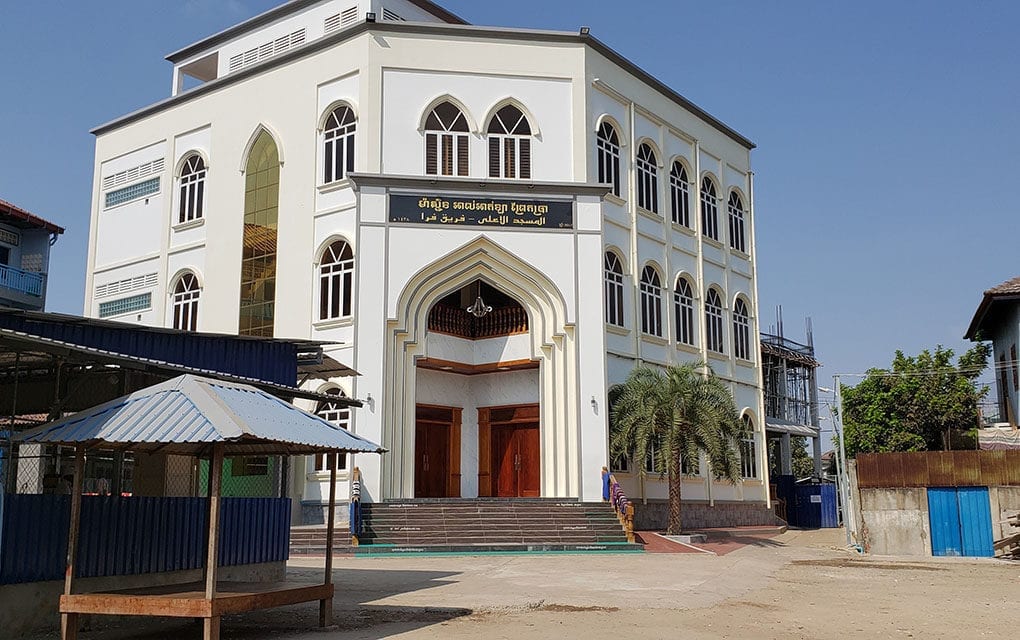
<point x="25" y="282"/>
<point x="499" y="322"/>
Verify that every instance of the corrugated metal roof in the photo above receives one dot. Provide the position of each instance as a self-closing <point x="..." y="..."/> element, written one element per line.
<point x="188" y="414"/>
<point x="785" y="426"/>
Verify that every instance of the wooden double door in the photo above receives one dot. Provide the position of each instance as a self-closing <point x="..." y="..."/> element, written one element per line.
<point x="509" y="452"/>
<point x="437" y="452"/>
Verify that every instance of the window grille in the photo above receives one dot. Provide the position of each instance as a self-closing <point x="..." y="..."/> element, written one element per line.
<point x="741" y="331"/>
<point x="9" y="237"/>
<point x="608" y="145"/>
<point x="651" y="302"/>
<point x="683" y="301"/>
<point x="509" y="144"/>
<point x="736" y="210"/>
<point x="714" y="321"/>
<point x="614" y="289"/>
<point x="336" y="281"/>
<point x="647" y="179"/>
<point x="680" y="205"/>
<point x="709" y="210"/>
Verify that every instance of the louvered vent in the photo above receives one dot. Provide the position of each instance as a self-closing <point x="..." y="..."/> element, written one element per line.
<point x="349" y="17"/>
<point x="9" y="237"/>
<point x="132" y="174"/>
<point x="267" y="50"/>
<point x="392" y="17"/>
<point x="331" y="24"/>
<point x="125" y="286"/>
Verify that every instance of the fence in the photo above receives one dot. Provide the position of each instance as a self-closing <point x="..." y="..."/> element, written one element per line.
<point x="134" y="535"/>
<point x="938" y="469"/>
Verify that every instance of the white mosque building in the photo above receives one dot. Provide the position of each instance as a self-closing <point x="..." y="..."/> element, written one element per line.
<point x="491" y="225"/>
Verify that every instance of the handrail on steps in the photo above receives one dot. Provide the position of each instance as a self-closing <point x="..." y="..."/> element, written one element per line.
<point x="613" y="493"/>
<point x="355" y="508"/>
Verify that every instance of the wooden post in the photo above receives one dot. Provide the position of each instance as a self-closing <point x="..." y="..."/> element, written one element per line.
<point x="326" y="606"/>
<point x="69" y="621"/>
<point x="211" y="626"/>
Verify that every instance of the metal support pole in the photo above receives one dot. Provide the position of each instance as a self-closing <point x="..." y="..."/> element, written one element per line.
<point x="849" y="522"/>
<point x="211" y="626"/>
<point x="69" y="621"/>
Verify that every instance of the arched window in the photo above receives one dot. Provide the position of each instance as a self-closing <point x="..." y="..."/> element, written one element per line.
<point x="257" y="313"/>
<point x="446" y="141"/>
<point x="185" y="303"/>
<point x="647" y="179"/>
<point x="608" y="145"/>
<point x="741" y="331"/>
<point x="651" y="302"/>
<point x="736" y="209"/>
<point x="679" y="195"/>
<point x="748" y="455"/>
<point x="683" y="301"/>
<point x="338" y="144"/>
<point x="709" y="209"/>
<point x="336" y="281"/>
<point x="614" y="289"/>
<point x="339" y="414"/>
<point x="509" y="144"/>
<point x="714" y="321"/>
<point x="192" y="194"/>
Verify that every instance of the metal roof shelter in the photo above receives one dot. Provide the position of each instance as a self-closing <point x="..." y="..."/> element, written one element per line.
<point x="197" y="416"/>
<point x="54" y="364"/>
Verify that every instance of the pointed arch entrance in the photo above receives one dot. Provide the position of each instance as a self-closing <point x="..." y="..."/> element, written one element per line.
<point x="549" y="345"/>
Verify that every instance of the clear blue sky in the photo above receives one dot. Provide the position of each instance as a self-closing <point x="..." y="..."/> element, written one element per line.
<point x="887" y="136"/>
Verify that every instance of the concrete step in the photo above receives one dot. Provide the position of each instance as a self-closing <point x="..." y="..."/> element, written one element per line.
<point x="489" y="547"/>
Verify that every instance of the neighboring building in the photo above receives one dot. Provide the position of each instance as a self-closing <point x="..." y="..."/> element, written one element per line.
<point x="791" y="397"/>
<point x="25" y="242"/>
<point x="997" y="320"/>
<point x="493" y="225"/>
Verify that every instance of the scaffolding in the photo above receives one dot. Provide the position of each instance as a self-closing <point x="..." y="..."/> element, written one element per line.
<point x="791" y="391"/>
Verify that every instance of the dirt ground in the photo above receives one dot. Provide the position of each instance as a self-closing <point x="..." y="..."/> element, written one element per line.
<point x="798" y="585"/>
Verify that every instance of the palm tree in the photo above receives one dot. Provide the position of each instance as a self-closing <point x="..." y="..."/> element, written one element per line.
<point x="674" y="413"/>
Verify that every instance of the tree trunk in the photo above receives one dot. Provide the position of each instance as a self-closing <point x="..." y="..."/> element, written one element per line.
<point x="675" y="484"/>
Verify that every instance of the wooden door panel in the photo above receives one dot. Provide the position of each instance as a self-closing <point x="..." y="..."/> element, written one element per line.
<point x="504" y="479"/>
<point x="530" y="475"/>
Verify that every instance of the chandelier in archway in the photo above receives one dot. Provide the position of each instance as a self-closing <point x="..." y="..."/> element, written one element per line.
<point x="479" y="309"/>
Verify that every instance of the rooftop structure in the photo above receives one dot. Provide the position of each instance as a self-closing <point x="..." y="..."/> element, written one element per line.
<point x="25" y="241"/>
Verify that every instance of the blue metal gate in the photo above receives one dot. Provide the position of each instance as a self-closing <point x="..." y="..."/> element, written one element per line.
<point x="961" y="521"/>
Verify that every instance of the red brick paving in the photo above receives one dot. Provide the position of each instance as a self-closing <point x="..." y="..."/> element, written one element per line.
<point x="718" y="544"/>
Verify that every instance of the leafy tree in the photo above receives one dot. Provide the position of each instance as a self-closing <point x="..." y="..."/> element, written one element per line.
<point x="803" y="462"/>
<point x="674" y="413"/>
<point x="917" y="405"/>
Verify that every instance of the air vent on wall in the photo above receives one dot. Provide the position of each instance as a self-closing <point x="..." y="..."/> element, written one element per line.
<point x="392" y="17"/>
<point x="340" y="20"/>
<point x="132" y="174"/>
<point x="267" y="50"/>
<point x="127" y="285"/>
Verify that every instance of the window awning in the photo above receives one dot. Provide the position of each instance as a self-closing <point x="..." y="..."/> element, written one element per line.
<point x="778" y="425"/>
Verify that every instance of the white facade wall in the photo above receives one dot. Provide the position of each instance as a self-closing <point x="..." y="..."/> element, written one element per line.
<point x="391" y="79"/>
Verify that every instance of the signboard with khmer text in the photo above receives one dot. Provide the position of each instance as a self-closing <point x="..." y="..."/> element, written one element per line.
<point x="465" y="211"/>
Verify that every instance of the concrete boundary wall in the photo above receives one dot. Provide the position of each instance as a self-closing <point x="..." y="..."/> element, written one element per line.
<point x="654" y="514"/>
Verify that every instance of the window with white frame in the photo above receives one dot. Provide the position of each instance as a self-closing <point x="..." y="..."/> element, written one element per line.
<point x="192" y="189"/>
<point x="714" y="321"/>
<point x="614" y="289"/>
<point x="709" y="209"/>
<point x="736" y="210"/>
<point x="647" y="178"/>
<point x="741" y="331"/>
<point x="336" y="281"/>
<point x="339" y="413"/>
<point x="446" y="141"/>
<point x="608" y="144"/>
<point x="185" y="303"/>
<point x="679" y="195"/>
<point x="509" y="144"/>
<point x="338" y="144"/>
<point x="748" y="457"/>
<point x="683" y="302"/>
<point x="651" y="302"/>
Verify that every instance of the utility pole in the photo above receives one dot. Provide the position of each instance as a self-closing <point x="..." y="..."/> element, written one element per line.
<point x="849" y="521"/>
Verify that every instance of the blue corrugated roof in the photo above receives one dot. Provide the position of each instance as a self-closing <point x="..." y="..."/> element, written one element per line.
<point x="188" y="413"/>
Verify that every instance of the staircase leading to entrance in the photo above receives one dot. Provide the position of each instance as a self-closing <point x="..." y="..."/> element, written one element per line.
<point x="436" y="525"/>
